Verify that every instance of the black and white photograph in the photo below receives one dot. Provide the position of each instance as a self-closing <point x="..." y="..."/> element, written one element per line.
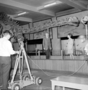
<point x="43" y="44"/>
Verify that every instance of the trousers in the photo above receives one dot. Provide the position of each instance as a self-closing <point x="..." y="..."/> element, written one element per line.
<point x="5" y="64"/>
<point x="48" y="54"/>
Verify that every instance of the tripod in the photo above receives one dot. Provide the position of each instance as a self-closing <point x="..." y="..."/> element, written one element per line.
<point x="24" y="78"/>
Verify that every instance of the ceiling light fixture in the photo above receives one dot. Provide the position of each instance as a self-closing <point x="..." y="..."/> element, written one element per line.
<point x="54" y="3"/>
<point x="21" y="13"/>
<point x="51" y="4"/>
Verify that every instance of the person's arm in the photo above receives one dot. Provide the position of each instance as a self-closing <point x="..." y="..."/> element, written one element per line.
<point x="10" y="48"/>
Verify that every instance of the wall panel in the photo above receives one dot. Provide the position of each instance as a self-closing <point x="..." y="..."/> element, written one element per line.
<point x="74" y="66"/>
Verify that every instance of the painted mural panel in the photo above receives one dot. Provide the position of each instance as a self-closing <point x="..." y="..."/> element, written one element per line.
<point x="41" y="34"/>
<point x="35" y="35"/>
<point x="64" y="44"/>
<point x="79" y="47"/>
<point x="38" y="35"/>
<point x="65" y="30"/>
<point x="41" y="25"/>
<point x="31" y="36"/>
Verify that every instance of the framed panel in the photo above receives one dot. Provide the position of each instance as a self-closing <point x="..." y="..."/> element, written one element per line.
<point x="36" y="35"/>
<point x="31" y="36"/>
<point x="64" y="44"/>
<point x="41" y="34"/>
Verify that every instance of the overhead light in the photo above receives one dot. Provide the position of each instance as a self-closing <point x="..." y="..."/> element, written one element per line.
<point x="51" y="4"/>
<point x="54" y="3"/>
<point x="21" y="13"/>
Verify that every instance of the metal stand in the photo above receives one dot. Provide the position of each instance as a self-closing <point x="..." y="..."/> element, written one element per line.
<point x="25" y="78"/>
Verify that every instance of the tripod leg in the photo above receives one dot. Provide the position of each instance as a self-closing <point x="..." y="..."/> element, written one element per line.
<point x="21" y="67"/>
<point x="26" y="60"/>
<point x="15" y="69"/>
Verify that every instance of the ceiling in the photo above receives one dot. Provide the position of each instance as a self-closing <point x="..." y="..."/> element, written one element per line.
<point x="36" y="11"/>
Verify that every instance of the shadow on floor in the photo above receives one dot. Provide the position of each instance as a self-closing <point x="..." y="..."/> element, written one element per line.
<point x="46" y="85"/>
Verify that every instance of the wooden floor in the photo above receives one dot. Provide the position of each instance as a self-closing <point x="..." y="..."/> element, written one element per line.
<point x="46" y="76"/>
<point x="46" y="84"/>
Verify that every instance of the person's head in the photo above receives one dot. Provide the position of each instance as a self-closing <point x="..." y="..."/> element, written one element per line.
<point x="47" y="35"/>
<point x="82" y="38"/>
<point x="7" y="34"/>
<point x="69" y="35"/>
<point x="13" y="39"/>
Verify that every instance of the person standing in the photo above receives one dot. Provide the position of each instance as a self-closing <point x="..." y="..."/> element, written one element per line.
<point x="84" y="42"/>
<point x="6" y="50"/>
<point x="70" y="46"/>
<point x="47" y="45"/>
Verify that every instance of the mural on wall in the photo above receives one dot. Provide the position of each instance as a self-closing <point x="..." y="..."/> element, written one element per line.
<point x="70" y="20"/>
<point x="64" y="30"/>
<point x="42" y="25"/>
<point x="78" y="46"/>
<point x="73" y="21"/>
<point x="31" y="36"/>
<point x="64" y="44"/>
<point x="40" y="34"/>
<point x="79" y="27"/>
<point x="37" y="35"/>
